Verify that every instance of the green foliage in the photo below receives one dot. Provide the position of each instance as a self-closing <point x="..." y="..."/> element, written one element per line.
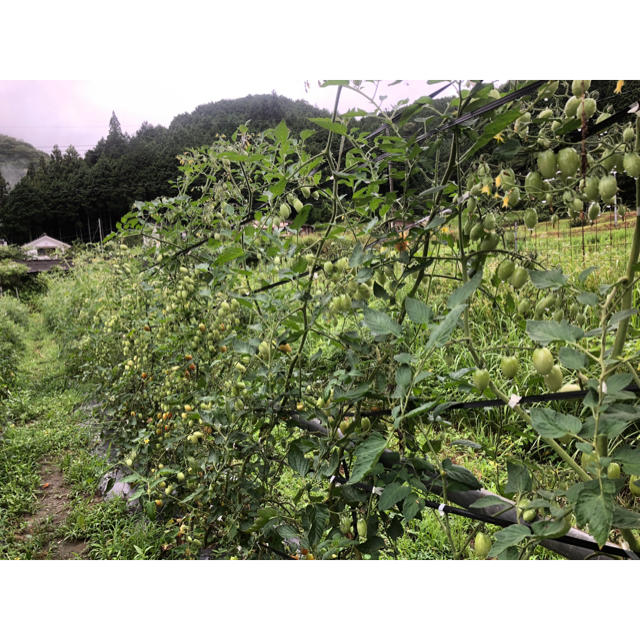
<point x="262" y="388"/>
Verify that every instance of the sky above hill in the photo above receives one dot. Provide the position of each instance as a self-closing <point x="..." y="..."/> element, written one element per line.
<point x="150" y="61"/>
<point x="77" y="112"/>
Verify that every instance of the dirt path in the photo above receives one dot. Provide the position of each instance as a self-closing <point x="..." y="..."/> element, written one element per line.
<point x="53" y="509"/>
<point x="40" y="446"/>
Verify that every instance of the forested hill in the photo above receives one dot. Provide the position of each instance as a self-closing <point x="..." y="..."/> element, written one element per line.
<point x="66" y="195"/>
<point x="15" y="158"/>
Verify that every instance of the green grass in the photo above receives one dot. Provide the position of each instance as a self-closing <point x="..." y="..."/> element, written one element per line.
<point x="46" y="421"/>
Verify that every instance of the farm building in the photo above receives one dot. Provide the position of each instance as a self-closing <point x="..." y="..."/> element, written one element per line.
<point x="44" y="247"/>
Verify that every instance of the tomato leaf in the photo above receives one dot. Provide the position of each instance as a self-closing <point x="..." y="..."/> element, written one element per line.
<point x="463" y="293"/>
<point x="553" y="279"/>
<point x="508" y="537"/>
<point x="546" y="331"/>
<point x="572" y="359"/>
<point x="588" y="297"/>
<point x="411" y="506"/>
<point x="297" y="461"/>
<point x="625" y="519"/>
<point x="229" y="254"/>
<point x="492" y="129"/>
<point x="461" y="475"/>
<point x="392" y="494"/>
<point x="442" y="332"/>
<point x="316" y="520"/>
<point x="418" y="311"/>
<point x="552" y="424"/>
<point x="367" y="454"/>
<point x="380" y="323"/>
<point x="327" y="123"/>
<point x="518" y="479"/>
<point x="594" y="507"/>
<point x="489" y="501"/>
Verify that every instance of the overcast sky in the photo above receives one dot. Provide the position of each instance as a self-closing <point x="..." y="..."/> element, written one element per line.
<point x="67" y="65"/>
<point x="77" y="112"/>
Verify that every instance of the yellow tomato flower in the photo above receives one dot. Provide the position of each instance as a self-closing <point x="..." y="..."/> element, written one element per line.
<point x="486" y="189"/>
<point x="498" y="181"/>
<point x="505" y="202"/>
<point x="619" y="86"/>
<point x="498" y="137"/>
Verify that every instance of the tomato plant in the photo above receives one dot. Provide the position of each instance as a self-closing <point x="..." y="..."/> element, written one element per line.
<point x="239" y="358"/>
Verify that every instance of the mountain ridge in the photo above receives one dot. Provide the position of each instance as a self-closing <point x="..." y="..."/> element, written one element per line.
<point x="15" y="157"/>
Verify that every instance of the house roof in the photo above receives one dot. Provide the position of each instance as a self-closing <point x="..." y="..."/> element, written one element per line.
<point x="45" y="241"/>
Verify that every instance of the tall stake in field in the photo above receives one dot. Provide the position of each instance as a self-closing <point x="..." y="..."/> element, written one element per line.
<point x="627" y="298"/>
<point x="584" y="167"/>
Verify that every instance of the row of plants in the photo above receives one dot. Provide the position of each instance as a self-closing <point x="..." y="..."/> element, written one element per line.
<point x="281" y="395"/>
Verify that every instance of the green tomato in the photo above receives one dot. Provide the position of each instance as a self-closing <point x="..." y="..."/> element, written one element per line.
<point x="589" y="462"/>
<point x="589" y="108"/>
<point x="577" y="205"/>
<point x="362" y="528"/>
<point x="529" y="515"/>
<point x="477" y="231"/>
<point x="505" y="270"/>
<point x="613" y="471"/>
<point x="533" y="184"/>
<point x="553" y="379"/>
<point x="509" y="239"/>
<point x="514" y="197"/>
<point x="566" y="527"/>
<point x="578" y="87"/>
<point x="571" y="106"/>
<point x="607" y="187"/>
<point x="632" y="164"/>
<point x="634" y="488"/>
<point x="542" y="361"/>
<point x="531" y="218"/>
<point x="480" y="379"/>
<point x="547" y="163"/>
<point x="507" y="179"/>
<point x="263" y="350"/>
<point x="524" y="308"/>
<point x="509" y="366"/>
<point x="591" y="189"/>
<point x="345" y="524"/>
<point x="285" y="210"/>
<point x="519" y="277"/>
<point x="568" y="161"/>
<point x="482" y="545"/>
<point x="489" y="222"/>
<point x="490" y="242"/>
<point x="628" y="135"/>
